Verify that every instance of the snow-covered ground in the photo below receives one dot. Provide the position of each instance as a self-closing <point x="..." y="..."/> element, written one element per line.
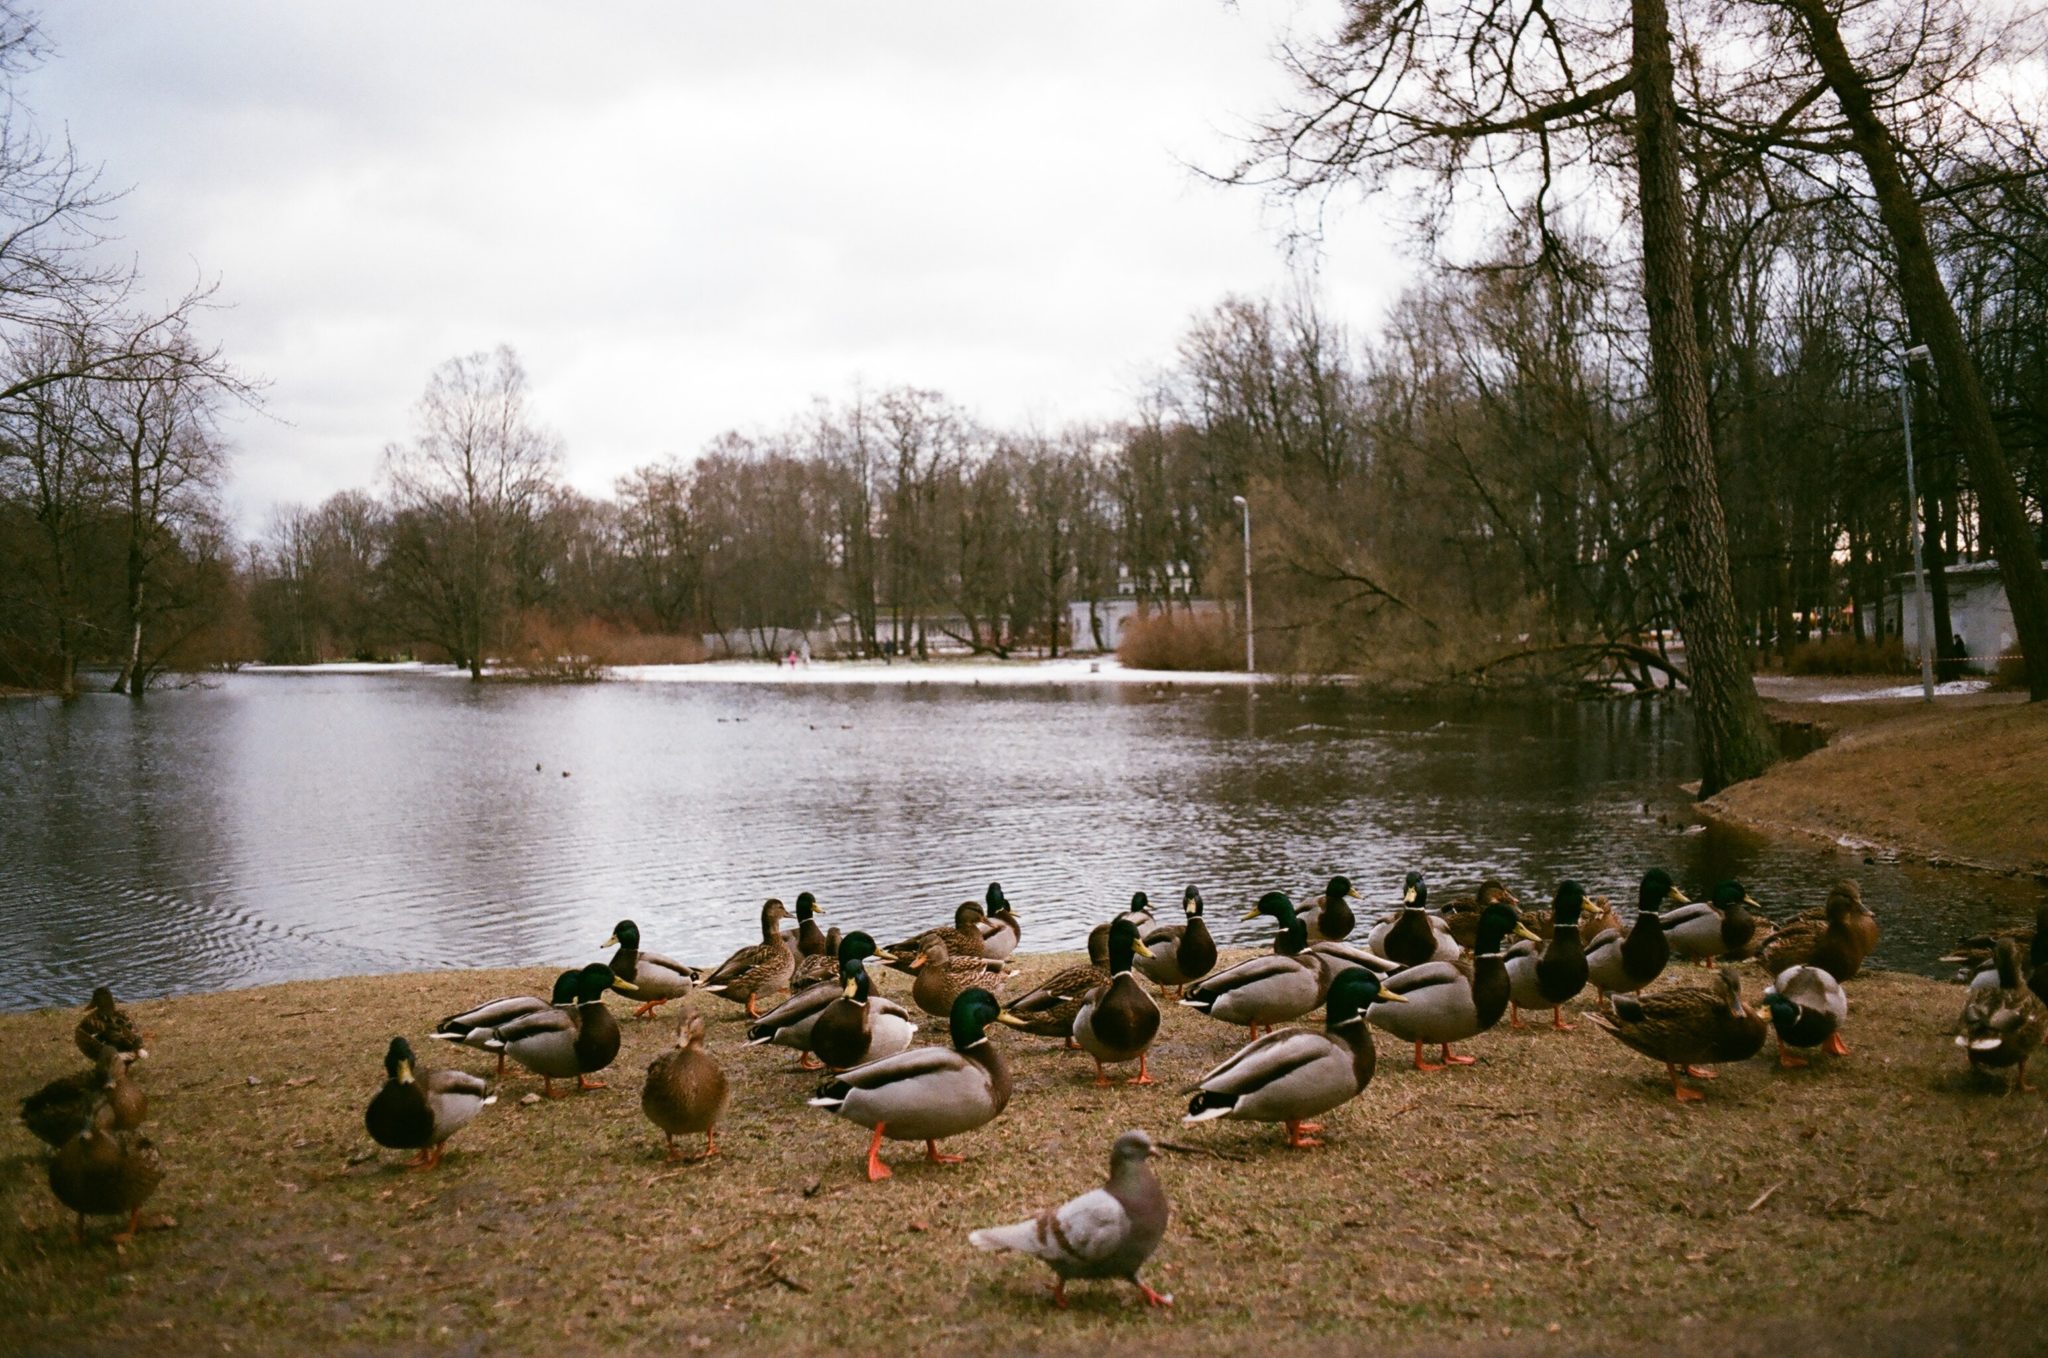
<point x="1011" y="673"/>
<point x="1954" y="688"/>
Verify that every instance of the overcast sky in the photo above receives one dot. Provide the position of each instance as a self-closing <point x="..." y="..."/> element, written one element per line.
<point x="685" y="217"/>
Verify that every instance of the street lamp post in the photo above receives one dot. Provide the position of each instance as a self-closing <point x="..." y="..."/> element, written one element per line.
<point x="1923" y="619"/>
<point x="1250" y="664"/>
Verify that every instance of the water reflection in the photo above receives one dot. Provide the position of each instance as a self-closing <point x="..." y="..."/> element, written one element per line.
<point x="273" y="827"/>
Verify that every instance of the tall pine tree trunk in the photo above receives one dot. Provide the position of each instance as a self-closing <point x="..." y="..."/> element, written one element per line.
<point x="1933" y="316"/>
<point x="1735" y="740"/>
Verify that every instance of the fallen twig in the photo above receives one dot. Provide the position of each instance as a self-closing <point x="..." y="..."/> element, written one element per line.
<point x="1764" y="1196"/>
<point x="1584" y="1220"/>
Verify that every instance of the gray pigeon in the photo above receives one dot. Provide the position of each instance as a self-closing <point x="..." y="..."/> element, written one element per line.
<point x="1107" y="1233"/>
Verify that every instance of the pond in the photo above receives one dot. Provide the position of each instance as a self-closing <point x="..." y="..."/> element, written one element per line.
<point x="268" y="827"/>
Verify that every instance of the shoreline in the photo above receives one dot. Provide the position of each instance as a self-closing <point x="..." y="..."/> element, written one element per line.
<point x="966" y="672"/>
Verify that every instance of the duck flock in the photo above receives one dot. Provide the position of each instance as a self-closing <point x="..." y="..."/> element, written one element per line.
<point x="1435" y="978"/>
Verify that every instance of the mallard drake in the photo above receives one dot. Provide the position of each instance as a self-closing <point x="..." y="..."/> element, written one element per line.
<point x="963" y="939"/>
<point x="758" y="969"/>
<point x="859" y="1025"/>
<point x="809" y="940"/>
<point x="2001" y="1027"/>
<point x="1140" y="911"/>
<point x="655" y="979"/>
<point x="1686" y="1027"/>
<point x="942" y="977"/>
<point x="421" y="1110"/>
<point x="1292" y="1074"/>
<point x="1618" y="961"/>
<point x="65" y="1107"/>
<point x="556" y="1044"/>
<point x="1807" y="1009"/>
<point x="106" y="1024"/>
<point x="1177" y="954"/>
<point x="819" y="968"/>
<point x="1550" y="973"/>
<point x="999" y="928"/>
<point x="104" y="1172"/>
<point x="685" y="1090"/>
<point x="1836" y="939"/>
<point x="1107" y="1233"/>
<point x="1118" y="1021"/>
<point x="1411" y="935"/>
<point x="1329" y="917"/>
<point x="1706" y="931"/>
<point x="927" y="1093"/>
<point x="475" y="1027"/>
<point x="1461" y="913"/>
<point x="1281" y="985"/>
<point x="1048" y="1009"/>
<point x="1447" y="1002"/>
<point x="789" y="1024"/>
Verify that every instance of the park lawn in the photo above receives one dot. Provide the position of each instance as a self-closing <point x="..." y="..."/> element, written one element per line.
<point x="1552" y="1198"/>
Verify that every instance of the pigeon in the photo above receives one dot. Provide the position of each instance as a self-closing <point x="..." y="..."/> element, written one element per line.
<point x="1108" y="1232"/>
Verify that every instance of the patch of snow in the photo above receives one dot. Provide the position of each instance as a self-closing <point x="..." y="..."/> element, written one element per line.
<point x="1954" y="688"/>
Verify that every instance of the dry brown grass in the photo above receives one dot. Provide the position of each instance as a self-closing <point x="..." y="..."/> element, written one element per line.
<point x="1168" y="640"/>
<point x="1957" y="782"/>
<point x="1550" y="1199"/>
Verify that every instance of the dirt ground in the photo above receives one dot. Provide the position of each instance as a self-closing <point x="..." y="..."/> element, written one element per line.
<point x="1964" y="781"/>
<point x="1551" y="1199"/>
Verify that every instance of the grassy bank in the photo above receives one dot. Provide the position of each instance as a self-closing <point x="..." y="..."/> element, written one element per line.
<point x="1958" y="782"/>
<point x="1552" y="1198"/>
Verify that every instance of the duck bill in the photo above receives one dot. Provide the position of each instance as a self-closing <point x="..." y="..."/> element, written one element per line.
<point x="1751" y="901"/>
<point x="851" y="989"/>
<point x="1009" y="1020"/>
<point x="1250" y="916"/>
<point x="1677" y="897"/>
<point x="918" y="961"/>
<point x="624" y="986"/>
<point x="1390" y="997"/>
<point x="1524" y="931"/>
<point x="1408" y="896"/>
<point x="611" y="942"/>
<point x="1138" y="947"/>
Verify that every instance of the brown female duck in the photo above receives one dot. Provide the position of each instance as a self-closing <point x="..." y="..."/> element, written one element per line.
<point x="104" y="1172"/>
<point x="758" y="969"/>
<point x="1687" y="1027"/>
<point x="1837" y="938"/>
<point x="1048" y="1009"/>
<point x="942" y="977"/>
<point x="106" y="1024"/>
<point x="685" y="1091"/>
<point x="65" y="1107"/>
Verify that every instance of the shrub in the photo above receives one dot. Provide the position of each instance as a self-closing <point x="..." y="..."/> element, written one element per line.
<point x="2011" y="674"/>
<point x="657" y="648"/>
<point x="1843" y="654"/>
<point x="1181" y="641"/>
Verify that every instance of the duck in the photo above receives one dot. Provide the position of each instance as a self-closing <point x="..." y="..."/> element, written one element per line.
<point x="927" y="1093"/>
<point x="1292" y="1074"/>
<point x="1177" y="954"/>
<point x="1269" y="989"/>
<point x="2032" y="945"/>
<point x="1117" y="1022"/>
<point x="1617" y="961"/>
<point x="556" y="1044"/>
<point x="1807" y="1008"/>
<point x="2002" y="1026"/>
<point x="65" y="1107"/>
<point x="1687" y="1027"/>
<point x="1551" y="972"/>
<point x="859" y="1026"/>
<point x="1108" y="1232"/>
<point x="104" y="1172"/>
<point x="818" y="968"/>
<point x="1596" y="917"/>
<point x="1836" y="939"/>
<point x="1411" y="935"/>
<point x="474" y="1027"/>
<point x="999" y="929"/>
<point x="106" y="1024"/>
<point x="758" y="969"/>
<point x="963" y="939"/>
<point x="1461" y="913"/>
<point x="655" y="978"/>
<point x="685" y="1091"/>
<point x="810" y="939"/>
<point x="1048" y="1009"/>
<point x="1447" y="1002"/>
<point x="1707" y="931"/>
<point x="1329" y="916"/>
<point x="941" y="977"/>
<point x="1140" y="911"/>
<point x="789" y="1024"/>
<point x="420" y="1110"/>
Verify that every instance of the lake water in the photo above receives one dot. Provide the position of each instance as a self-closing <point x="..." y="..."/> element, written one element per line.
<point x="272" y="827"/>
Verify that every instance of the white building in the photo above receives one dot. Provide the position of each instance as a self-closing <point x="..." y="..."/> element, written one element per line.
<point x="1977" y="611"/>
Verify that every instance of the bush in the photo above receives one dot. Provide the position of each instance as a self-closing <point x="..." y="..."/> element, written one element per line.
<point x="1181" y="641"/>
<point x="1843" y="654"/>
<point x="656" y="648"/>
<point x="2011" y="674"/>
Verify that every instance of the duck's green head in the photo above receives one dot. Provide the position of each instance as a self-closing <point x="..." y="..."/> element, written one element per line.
<point x="973" y="1011"/>
<point x="807" y="906"/>
<point x="994" y="898"/>
<point x="858" y="946"/>
<point x="1783" y="1012"/>
<point x="1415" y="891"/>
<point x="1731" y="895"/>
<point x="1140" y="904"/>
<point x="1566" y="904"/>
<point x="1191" y="900"/>
<point x="597" y="978"/>
<point x="1496" y="922"/>
<point x="1657" y="891"/>
<point x="1351" y="993"/>
<point x="567" y="985"/>
<point x="1275" y="904"/>
<point x="1124" y="945"/>
<point x="625" y="934"/>
<point x="1340" y="886"/>
<point x="398" y="1061"/>
<point x="853" y="978"/>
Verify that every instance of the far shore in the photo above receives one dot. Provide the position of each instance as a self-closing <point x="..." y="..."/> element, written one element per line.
<point x="964" y="670"/>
